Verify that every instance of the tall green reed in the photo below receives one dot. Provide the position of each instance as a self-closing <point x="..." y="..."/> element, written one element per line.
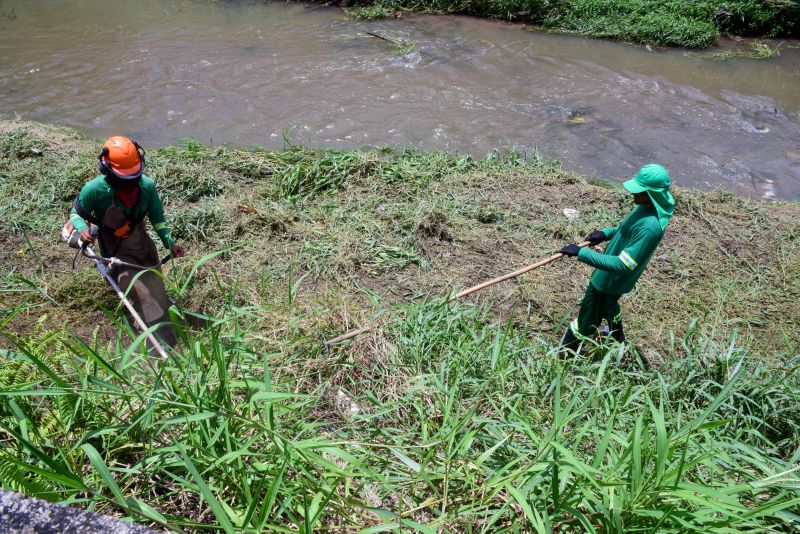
<point x="449" y="423"/>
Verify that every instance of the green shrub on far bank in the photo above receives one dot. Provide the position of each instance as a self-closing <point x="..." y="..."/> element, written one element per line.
<point x="679" y="23"/>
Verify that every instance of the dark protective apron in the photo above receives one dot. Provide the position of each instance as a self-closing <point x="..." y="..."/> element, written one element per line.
<point x="148" y="295"/>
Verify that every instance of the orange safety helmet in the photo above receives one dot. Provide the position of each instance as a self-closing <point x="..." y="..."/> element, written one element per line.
<point x="122" y="157"/>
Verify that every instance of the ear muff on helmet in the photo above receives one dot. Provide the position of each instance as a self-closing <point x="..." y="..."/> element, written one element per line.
<point x="121" y="158"/>
<point x="102" y="165"/>
<point x="140" y="151"/>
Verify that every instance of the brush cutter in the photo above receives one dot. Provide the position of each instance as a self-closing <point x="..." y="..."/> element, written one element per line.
<point x="104" y="266"/>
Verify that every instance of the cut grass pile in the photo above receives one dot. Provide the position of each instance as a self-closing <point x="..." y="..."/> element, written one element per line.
<point x="679" y="23"/>
<point x="459" y="418"/>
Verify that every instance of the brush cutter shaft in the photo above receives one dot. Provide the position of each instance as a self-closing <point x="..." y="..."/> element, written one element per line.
<point x="117" y="261"/>
<point x="365" y="329"/>
<point x="136" y="318"/>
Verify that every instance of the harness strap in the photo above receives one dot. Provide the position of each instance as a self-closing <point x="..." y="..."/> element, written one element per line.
<point x="130" y="223"/>
<point x="80" y="210"/>
<point x="131" y="220"/>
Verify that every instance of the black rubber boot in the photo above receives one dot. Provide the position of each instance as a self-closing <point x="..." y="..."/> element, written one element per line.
<point x="617" y="333"/>
<point x="569" y="342"/>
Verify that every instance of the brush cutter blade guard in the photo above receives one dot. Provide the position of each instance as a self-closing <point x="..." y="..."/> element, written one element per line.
<point x="71" y="236"/>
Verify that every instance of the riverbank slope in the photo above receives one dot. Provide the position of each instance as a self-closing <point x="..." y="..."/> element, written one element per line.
<point x="443" y="418"/>
<point x="400" y="226"/>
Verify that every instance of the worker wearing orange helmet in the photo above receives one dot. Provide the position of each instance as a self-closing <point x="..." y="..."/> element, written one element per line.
<point x="117" y="202"/>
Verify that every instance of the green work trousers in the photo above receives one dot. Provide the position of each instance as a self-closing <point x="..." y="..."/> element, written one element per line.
<point x="595" y="307"/>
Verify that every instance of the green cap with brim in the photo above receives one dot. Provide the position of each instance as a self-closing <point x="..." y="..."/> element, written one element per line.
<point x="633" y="186"/>
<point x="650" y="177"/>
<point x="654" y="179"/>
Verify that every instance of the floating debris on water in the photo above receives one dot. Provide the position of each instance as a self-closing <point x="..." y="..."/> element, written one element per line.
<point x="768" y="189"/>
<point x="578" y="116"/>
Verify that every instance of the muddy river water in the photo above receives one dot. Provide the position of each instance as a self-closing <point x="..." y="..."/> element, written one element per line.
<point x="241" y="72"/>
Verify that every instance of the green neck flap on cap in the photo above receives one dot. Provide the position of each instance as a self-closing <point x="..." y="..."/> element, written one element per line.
<point x="655" y="180"/>
<point x="664" y="204"/>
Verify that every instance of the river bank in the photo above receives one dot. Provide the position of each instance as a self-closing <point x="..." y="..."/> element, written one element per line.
<point x="443" y="417"/>
<point x="395" y="226"/>
<point x="673" y="23"/>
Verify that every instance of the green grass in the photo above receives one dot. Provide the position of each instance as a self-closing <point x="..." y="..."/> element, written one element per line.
<point x="459" y="418"/>
<point x="673" y="23"/>
<point x="449" y="423"/>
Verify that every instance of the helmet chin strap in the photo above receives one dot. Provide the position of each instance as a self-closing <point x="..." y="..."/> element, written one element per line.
<point x="118" y="183"/>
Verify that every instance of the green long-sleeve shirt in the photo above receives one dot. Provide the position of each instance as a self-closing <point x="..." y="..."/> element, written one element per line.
<point x="627" y="254"/>
<point x="96" y="197"/>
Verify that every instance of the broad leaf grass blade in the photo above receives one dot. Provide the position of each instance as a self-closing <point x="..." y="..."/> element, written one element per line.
<point x="208" y="495"/>
<point x="102" y="469"/>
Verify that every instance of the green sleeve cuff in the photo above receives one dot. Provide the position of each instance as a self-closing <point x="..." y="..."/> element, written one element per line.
<point x="163" y="233"/>
<point x="604" y="262"/>
<point x="77" y="221"/>
<point x="610" y="231"/>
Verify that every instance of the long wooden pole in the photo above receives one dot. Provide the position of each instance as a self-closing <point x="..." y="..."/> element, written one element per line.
<point x="516" y="273"/>
<point x="473" y="289"/>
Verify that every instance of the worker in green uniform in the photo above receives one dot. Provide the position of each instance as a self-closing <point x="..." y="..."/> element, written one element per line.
<point x="117" y="202"/>
<point x="619" y="267"/>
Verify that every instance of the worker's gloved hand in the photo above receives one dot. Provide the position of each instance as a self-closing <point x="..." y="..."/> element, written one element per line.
<point x="595" y="238"/>
<point x="570" y="250"/>
<point x="86" y="236"/>
<point x="177" y="251"/>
